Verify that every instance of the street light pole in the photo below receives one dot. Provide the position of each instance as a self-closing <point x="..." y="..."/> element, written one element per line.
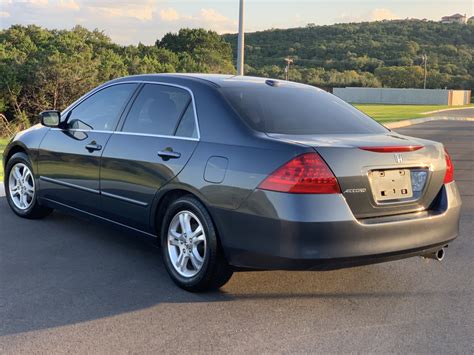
<point x="241" y="44"/>
<point x="425" y="60"/>
<point x="288" y="61"/>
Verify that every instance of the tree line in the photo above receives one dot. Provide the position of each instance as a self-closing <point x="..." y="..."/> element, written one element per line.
<point x="48" y="69"/>
<point x="376" y="54"/>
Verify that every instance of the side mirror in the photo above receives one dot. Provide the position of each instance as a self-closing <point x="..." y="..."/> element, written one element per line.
<point x="50" y="118"/>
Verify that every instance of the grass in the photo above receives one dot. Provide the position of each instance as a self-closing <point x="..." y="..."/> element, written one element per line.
<point x="3" y="144"/>
<point x="388" y="113"/>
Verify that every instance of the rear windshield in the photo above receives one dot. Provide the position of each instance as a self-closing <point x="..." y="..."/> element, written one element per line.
<point x="297" y="110"/>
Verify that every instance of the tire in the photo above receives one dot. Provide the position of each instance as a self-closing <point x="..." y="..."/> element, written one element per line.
<point x="20" y="165"/>
<point x="205" y="267"/>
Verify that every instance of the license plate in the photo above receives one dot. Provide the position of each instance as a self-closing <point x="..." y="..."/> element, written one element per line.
<point x="391" y="184"/>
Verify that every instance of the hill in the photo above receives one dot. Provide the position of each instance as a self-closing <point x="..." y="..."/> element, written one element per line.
<point x="387" y="53"/>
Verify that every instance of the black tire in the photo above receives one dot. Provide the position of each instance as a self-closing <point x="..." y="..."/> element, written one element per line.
<point x="215" y="271"/>
<point x="35" y="210"/>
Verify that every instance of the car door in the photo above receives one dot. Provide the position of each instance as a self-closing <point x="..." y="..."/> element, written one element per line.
<point x="69" y="158"/>
<point x="156" y="139"/>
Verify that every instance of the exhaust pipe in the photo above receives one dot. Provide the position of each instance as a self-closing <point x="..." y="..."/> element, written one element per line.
<point x="437" y="255"/>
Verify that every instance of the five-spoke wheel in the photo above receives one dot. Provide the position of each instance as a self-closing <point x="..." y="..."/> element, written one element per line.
<point x="21" y="186"/>
<point x="190" y="247"/>
<point x="186" y="243"/>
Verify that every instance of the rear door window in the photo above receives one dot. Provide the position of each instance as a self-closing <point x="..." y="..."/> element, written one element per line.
<point x="158" y="109"/>
<point x="300" y="110"/>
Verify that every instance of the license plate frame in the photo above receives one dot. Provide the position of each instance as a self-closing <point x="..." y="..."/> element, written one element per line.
<point x="391" y="185"/>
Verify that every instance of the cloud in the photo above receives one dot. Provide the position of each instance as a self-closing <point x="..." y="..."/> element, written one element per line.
<point x="374" y="15"/>
<point x="69" y="5"/>
<point x="169" y="15"/>
<point x="141" y="10"/>
<point x="382" y="14"/>
<point x="34" y="2"/>
<point x="125" y="21"/>
<point x="211" y="15"/>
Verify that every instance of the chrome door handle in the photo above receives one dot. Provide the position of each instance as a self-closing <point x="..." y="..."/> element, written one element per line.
<point x="93" y="146"/>
<point x="169" y="154"/>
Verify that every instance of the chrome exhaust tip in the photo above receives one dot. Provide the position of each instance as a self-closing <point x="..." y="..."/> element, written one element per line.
<point x="437" y="255"/>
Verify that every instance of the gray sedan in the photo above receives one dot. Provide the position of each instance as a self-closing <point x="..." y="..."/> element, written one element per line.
<point x="237" y="173"/>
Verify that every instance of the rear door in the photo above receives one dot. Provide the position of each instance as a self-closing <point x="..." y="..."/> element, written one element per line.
<point x="69" y="159"/>
<point x="157" y="138"/>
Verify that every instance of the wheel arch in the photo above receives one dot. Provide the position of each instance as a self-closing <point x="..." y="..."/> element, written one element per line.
<point x="16" y="148"/>
<point x="165" y="198"/>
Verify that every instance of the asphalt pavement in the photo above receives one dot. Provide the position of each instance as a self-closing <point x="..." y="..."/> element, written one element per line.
<point x="463" y="112"/>
<point x="72" y="286"/>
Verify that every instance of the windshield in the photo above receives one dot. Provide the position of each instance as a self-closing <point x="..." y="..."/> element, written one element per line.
<point x="297" y="110"/>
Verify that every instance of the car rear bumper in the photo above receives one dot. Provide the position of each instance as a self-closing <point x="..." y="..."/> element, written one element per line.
<point x="319" y="232"/>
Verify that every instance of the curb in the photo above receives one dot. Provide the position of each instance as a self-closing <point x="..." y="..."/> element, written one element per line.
<point x="2" y="190"/>
<point x="415" y="121"/>
<point x="448" y="109"/>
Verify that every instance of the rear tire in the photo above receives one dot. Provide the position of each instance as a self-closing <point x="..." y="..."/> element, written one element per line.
<point x="191" y="250"/>
<point x="21" y="188"/>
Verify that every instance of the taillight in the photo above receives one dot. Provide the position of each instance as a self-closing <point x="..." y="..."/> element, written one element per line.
<point x="449" y="176"/>
<point x="305" y="174"/>
<point x="393" y="149"/>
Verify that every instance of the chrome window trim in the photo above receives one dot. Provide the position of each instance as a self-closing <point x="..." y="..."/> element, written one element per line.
<point x="154" y="135"/>
<point x="85" y="97"/>
<point x="126" y="134"/>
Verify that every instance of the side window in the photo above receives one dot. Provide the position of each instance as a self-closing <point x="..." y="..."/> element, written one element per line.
<point x="187" y="126"/>
<point x="157" y="110"/>
<point x="101" y="111"/>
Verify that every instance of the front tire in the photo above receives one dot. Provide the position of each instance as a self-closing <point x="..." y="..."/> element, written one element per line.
<point x="191" y="251"/>
<point x="21" y="188"/>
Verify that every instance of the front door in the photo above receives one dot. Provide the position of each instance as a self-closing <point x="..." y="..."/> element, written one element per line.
<point x="69" y="158"/>
<point x="153" y="145"/>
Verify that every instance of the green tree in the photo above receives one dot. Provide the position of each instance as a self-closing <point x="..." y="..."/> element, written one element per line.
<point x="400" y="77"/>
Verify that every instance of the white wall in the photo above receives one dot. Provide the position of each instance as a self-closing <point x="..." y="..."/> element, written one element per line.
<point x="393" y="96"/>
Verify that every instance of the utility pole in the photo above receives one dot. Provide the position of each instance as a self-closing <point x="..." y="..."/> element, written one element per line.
<point x="288" y="61"/>
<point x="241" y="44"/>
<point x="425" y="61"/>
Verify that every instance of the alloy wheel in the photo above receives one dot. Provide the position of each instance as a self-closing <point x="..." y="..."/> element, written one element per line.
<point x="186" y="244"/>
<point x="21" y="185"/>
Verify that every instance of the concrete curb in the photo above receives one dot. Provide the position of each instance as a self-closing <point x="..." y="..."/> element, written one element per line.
<point x="2" y="189"/>
<point x="448" y="109"/>
<point x="407" y="123"/>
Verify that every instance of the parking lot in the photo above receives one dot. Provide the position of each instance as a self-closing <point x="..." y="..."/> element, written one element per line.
<point x="67" y="285"/>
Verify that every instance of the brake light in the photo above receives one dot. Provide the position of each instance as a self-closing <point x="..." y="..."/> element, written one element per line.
<point x="305" y="174"/>
<point x="449" y="176"/>
<point x="393" y="149"/>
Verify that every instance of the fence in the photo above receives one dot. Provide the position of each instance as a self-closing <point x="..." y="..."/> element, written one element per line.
<point x="403" y="96"/>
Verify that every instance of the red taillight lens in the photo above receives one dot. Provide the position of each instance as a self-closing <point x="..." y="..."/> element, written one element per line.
<point x="305" y="174"/>
<point x="393" y="149"/>
<point x="449" y="176"/>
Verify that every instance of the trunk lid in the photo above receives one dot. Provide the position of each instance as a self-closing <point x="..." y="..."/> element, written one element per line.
<point x="366" y="177"/>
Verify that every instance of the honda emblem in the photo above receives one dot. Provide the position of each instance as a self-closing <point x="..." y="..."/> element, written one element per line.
<point x="398" y="158"/>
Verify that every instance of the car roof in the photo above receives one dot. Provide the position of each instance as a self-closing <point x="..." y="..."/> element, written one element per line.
<point x="218" y="80"/>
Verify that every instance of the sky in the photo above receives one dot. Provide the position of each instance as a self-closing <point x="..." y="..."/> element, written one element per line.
<point x="131" y="22"/>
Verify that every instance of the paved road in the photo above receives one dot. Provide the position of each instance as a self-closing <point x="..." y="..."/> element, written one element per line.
<point x="468" y="112"/>
<point x="71" y="286"/>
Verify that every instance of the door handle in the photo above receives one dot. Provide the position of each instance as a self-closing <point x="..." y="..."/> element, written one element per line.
<point x="93" y="146"/>
<point x="169" y="154"/>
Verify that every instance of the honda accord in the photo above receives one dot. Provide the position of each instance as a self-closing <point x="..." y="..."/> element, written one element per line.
<point x="237" y="173"/>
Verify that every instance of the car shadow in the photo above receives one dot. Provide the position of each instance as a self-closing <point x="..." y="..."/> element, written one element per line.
<point x="64" y="270"/>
